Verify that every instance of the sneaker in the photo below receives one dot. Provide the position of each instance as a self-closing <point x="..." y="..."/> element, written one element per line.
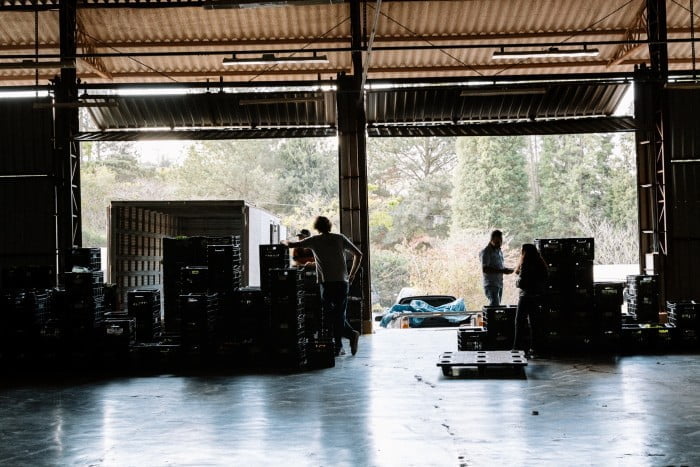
<point x="340" y="352"/>
<point x="354" y="341"/>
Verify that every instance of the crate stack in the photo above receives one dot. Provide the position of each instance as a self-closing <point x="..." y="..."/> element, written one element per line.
<point x="225" y="277"/>
<point x="287" y="318"/>
<point x="89" y="259"/>
<point x="567" y="320"/>
<point x="144" y="307"/>
<point x="500" y="327"/>
<point x="185" y="261"/>
<point x="685" y="317"/>
<point x="271" y="257"/>
<point x="198" y="322"/>
<point x="84" y="304"/>
<point x="319" y="335"/>
<point x="643" y="298"/>
<point x="251" y="323"/>
<point x="24" y="313"/>
<point x="607" y="303"/>
<point x="472" y="338"/>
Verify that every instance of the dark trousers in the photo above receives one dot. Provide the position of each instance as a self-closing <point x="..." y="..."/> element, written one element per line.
<point x="334" y="302"/>
<point x="493" y="294"/>
<point x="525" y="321"/>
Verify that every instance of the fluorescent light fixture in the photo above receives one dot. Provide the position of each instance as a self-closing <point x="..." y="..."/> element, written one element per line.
<point x="268" y="59"/>
<point x="485" y="92"/>
<point x="552" y="52"/>
<point x="34" y="65"/>
<point x="282" y="100"/>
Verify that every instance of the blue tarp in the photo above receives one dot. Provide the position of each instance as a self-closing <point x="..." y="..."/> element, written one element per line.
<point x="419" y="306"/>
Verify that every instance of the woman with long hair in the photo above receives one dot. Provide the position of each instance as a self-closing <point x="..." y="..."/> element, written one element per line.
<point x="532" y="272"/>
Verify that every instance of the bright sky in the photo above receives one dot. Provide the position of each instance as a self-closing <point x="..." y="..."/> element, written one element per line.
<point x="155" y="151"/>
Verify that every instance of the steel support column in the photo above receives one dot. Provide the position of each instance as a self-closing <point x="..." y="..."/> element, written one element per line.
<point x="66" y="127"/>
<point x="651" y="112"/>
<point x="352" y="157"/>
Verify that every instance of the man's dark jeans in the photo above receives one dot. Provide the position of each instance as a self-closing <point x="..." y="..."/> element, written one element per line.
<point x="334" y="300"/>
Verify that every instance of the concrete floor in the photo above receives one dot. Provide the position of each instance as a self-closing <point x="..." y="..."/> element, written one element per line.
<point x="389" y="405"/>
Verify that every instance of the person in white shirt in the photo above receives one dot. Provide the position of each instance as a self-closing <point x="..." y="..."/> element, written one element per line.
<point x="333" y="277"/>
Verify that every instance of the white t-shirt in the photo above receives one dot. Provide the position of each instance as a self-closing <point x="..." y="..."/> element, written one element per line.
<point x="329" y="254"/>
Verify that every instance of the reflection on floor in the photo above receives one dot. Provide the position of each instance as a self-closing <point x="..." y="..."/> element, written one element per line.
<point x="389" y="405"/>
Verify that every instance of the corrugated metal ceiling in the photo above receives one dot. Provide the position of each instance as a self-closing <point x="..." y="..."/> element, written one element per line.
<point x="126" y="32"/>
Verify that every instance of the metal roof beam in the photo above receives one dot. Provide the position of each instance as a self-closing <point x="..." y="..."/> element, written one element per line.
<point x="343" y="40"/>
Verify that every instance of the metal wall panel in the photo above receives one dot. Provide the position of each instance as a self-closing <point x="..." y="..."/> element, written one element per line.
<point x="217" y="110"/>
<point x="682" y="280"/>
<point x="492" y="103"/>
<point x="27" y="222"/>
<point x="27" y="138"/>
<point x="27" y="185"/>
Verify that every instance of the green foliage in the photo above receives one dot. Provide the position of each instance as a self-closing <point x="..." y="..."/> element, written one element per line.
<point x="390" y="273"/>
<point x="491" y="185"/>
<point x="307" y="166"/>
<point x="411" y="180"/>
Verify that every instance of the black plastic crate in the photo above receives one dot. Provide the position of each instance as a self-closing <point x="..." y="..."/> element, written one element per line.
<point x="499" y="316"/>
<point x="582" y="248"/>
<point x="471" y="338"/>
<point x="609" y="292"/>
<point x="224" y="262"/>
<point x="271" y="257"/>
<point x="320" y="353"/>
<point x="84" y="284"/>
<point x="552" y="249"/>
<point x="144" y="307"/>
<point x="194" y="279"/>
<point x="85" y="258"/>
<point x="120" y="332"/>
<point x="198" y="321"/>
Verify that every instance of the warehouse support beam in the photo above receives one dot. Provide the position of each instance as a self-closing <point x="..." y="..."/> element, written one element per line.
<point x="651" y="112"/>
<point x="352" y="156"/>
<point x="66" y="126"/>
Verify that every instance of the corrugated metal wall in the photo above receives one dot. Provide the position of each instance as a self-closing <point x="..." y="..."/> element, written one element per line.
<point x="682" y="279"/>
<point x="27" y="185"/>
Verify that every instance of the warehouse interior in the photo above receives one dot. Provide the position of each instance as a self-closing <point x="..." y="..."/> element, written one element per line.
<point x="353" y="70"/>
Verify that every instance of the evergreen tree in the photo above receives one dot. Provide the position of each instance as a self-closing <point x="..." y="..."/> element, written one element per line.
<point x="491" y="185"/>
<point x="307" y="167"/>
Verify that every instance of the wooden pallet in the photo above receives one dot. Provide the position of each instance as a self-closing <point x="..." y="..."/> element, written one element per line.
<point x="481" y="359"/>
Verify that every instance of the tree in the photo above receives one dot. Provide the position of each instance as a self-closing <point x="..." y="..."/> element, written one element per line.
<point x="229" y="170"/>
<point x="491" y="185"/>
<point x="307" y="166"/>
<point x="410" y="181"/>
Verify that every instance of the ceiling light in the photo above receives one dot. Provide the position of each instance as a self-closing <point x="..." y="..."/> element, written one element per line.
<point x="484" y="92"/>
<point x="34" y="65"/>
<point x="268" y="59"/>
<point x="283" y="100"/>
<point x="552" y="52"/>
